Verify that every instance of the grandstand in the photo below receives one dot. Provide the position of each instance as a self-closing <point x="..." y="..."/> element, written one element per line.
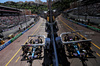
<point x="91" y="10"/>
<point x="9" y="11"/>
<point x="11" y="17"/>
<point x="86" y="7"/>
<point x="85" y="10"/>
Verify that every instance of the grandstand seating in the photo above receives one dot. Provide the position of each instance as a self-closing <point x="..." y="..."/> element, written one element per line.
<point x="11" y="21"/>
<point x="91" y="10"/>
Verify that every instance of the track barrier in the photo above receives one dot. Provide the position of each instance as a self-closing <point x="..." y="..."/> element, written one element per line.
<point x="13" y="39"/>
<point x="93" y="28"/>
<point x="4" y="45"/>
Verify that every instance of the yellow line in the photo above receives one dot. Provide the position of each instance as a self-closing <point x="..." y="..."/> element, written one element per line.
<point x="20" y="48"/>
<point x="95" y="45"/>
<point x="68" y="29"/>
<point x="13" y="57"/>
<point x="80" y="34"/>
<point x="83" y="37"/>
<point x="98" y="54"/>
<point x="17" y="59"/>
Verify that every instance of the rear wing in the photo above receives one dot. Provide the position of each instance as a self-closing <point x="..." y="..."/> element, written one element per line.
<point x="33" y="45"/>
<point x="79" y="41"/>
<point x="70" y="32"/>
<point x="68" y="42"/>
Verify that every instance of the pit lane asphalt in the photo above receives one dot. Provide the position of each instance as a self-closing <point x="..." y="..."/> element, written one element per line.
<point x="67" y="26"/>
<point x="10" y="56"/>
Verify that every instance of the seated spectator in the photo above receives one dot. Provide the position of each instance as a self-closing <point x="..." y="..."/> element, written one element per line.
<point x="11" y="21"/>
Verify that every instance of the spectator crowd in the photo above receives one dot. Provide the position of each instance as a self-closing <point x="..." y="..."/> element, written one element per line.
<point x="11" y="22"/>
<point x="91" y="10"/>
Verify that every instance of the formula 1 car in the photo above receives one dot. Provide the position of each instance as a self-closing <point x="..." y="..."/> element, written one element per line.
<point x="32" y="49"/>
<point x="76" y="47"/>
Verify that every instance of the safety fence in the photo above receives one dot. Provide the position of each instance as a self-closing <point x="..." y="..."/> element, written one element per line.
<point x="87" y="26"/>
<point x="13" y="39"/>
